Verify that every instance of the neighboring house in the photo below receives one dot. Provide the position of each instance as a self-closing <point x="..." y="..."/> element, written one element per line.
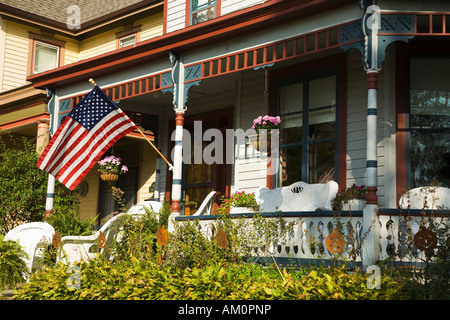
<point x="361" y="90"/>
<point x="37" y="36"/>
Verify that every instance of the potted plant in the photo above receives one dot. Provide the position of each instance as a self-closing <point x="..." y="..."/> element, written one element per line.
<point x="353" y="198"/>
<point x="110" y="168"/>
<point x="241" y="202"/>
<point x="263" y="126"/>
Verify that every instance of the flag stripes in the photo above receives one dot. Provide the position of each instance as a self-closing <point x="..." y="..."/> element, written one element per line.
<point x="89" y="130"/>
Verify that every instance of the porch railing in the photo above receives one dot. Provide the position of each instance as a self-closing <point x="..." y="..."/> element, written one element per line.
<point x="305" y="242"/>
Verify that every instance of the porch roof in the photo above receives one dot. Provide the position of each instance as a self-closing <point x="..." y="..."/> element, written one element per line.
<point x="256" y="18"/>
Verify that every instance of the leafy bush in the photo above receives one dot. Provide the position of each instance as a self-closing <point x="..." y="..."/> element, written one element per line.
<point x="138" y="240"/>
<point x="23" y="187"/>
<point x="102" y="280"/>
<point x="69" y="223"/>
<point x="13" y="269"/>
<point x="190" y="246"/>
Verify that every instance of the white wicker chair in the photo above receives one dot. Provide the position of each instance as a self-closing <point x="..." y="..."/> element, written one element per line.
<point x="33" y="237"/>
<point x="74" y="249"/>
<point x="427" y="197"/>
<point x="207" y="205"/>
<point x="299" y="196"/>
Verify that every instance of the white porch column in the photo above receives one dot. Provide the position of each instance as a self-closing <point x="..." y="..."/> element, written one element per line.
<point x="179" y="101"/>
<point x="371" y="250"/>
<point x="177" y="164"/>
<point x="53" y="109"/>
<point x="43" y="136"/>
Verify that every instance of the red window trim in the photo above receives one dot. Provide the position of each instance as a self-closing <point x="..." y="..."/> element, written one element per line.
<point x="403" y="51"/>
<point x="341" y="61"/>
<point x="188" y="11"/>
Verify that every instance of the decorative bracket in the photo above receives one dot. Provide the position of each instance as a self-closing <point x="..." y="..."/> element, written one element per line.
<point x="390" y="29"/>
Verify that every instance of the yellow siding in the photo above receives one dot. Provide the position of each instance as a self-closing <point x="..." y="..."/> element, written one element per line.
<point x="147" y="171"/>
<point x="99" y="44"/>
<point x="16" y="55"/>
<point x="151" y="27"/>
<point x="72" y="49"/>
<point x="89" y="203"/>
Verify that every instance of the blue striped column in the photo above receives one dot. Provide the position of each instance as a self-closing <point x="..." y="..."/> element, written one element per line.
<point x="371" y="165"/>
<point x="177" y="164"/>
<point x="50" y="196"/>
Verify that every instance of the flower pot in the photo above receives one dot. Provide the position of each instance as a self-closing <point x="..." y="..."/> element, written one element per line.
<point x="234" y="210"/>
<point x="261" y="147"/>
<point x="354" y="204"/>
<point x="109" y="176"/>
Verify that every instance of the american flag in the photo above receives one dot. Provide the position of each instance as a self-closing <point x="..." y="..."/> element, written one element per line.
<point x="84" y="135"/>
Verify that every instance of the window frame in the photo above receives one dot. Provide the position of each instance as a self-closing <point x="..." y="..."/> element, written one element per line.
<point x="190" y="11"/>
<point x="402" y="80"/>
<point x="48" y="40"/>
<point x="129" y="30"/>
<point x="334" y="65"/>
<point x="125" y="37"/>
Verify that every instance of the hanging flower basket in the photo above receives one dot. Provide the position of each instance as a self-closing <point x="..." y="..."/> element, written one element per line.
<point x="109" y="176"/>
<point x="111" y="168"/>
<point x="263" y="146"/>
<point x="264" y="126"/>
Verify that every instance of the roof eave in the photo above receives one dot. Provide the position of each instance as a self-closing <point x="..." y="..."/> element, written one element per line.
<point x="257" y="18"/>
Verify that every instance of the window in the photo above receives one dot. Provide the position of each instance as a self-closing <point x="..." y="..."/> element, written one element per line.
<point x="129" y="36"/>
<point x="307" y="106"/>
<point x="429" y="121"/>
<point x="127" y="41"/>
<point x="202" y="10"/>
<point x="46" y="57"/>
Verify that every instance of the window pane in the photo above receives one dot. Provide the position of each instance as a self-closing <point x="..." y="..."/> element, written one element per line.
<point x="45" y="57"/>
<point x="201" y="3"/>
<point x="203" y="15"/>
<point x="320" y="160"/>
<point x="429" y="151"/>
<point x="322" y="93"/>
<point x="429" y="121"/>
<point x="291" y="112"/>
<point x="430" y="93"/>
<point x="291" y="165"/>
<point x="127" y="41"/>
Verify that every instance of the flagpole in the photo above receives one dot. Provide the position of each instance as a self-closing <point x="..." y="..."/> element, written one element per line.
<point x="156" y="149"/>
<point x="148" y="140"/>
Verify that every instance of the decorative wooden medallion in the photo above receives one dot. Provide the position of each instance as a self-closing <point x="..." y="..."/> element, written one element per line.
<point x="425" y="240"/>
<point x="335" y="242"/>
<point x="56" y="240"/>
<point x="162" y="236"/>
<point x="101" y="240"/>
<point x="221" y="239"/>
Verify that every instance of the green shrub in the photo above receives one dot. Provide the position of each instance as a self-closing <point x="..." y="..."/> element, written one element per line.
<point x="138" y="240"/>
<point x="23" y="187"/>
<point x="69" y="223"/>
<point x="248" y="239"/>
<point x="13" y="269"/>
<point x="102" y="280"/>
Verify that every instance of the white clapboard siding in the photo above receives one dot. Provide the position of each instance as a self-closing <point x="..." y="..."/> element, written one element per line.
<point x="251" y="171"/>
<point x="176" y="15"/>
<point x="229" y="6"/>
